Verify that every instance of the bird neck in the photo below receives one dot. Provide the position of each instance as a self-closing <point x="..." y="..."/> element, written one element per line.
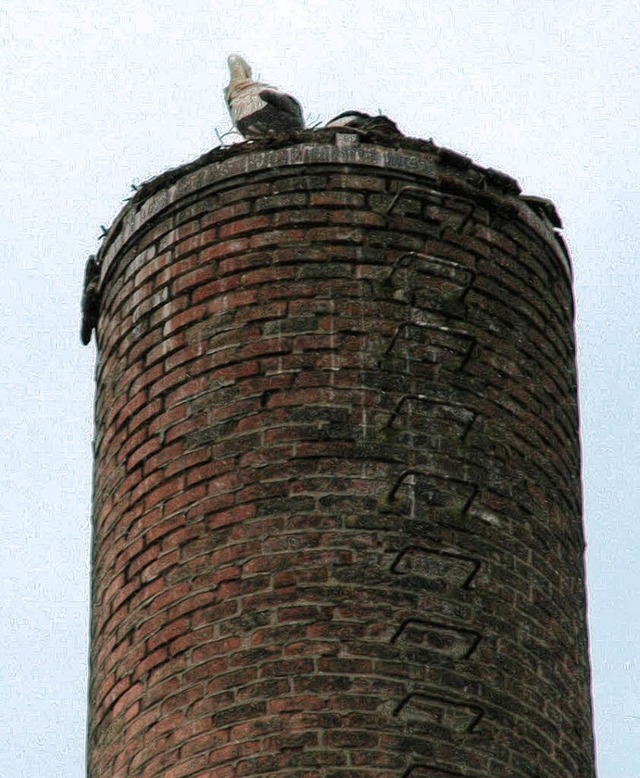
<point x="237" y="87"/>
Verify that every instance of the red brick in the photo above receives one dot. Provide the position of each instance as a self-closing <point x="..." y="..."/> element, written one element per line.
<point x="227" y="213"/>
<point x="338" y="199"/>
<point x="211" y="472"/>
<point x="194" y="278"/>
<point x="147" y="376"/>
<point x="181" y="460"/>
<point x="187" y="354"/>
<point x="180" y="233"/>
<point x="167" y="419"/>
<point x="150" y="409"/>
<point x="223" y="249"/>
<point x="165" y="347"/>
<point x="217" y="648"/>
<point x="228" y="301"/>
<point x="184" y="500"/>
<point x="191" y="424"/>
<point x="168" y="457"/>
<point x="277" y="238"/>
<point x="250" y="224"/>
<point x="244" y="261"/>
<point x="316" y="553"/>
<point x="173" y="630"/>
<point x="193" y="243"/>
<point x="232" y="516"/>
<point x="168" y="380"/>
<point x="130" y="698"/>
<point x="186" y="391"/>
<point x="160" y="566"/>
<point x="183" y="319"/>
<point x="151" y="267"/>
<point x="130" y="407"/>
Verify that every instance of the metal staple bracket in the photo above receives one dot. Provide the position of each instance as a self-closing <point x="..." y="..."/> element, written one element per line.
<point x="475" y="636"/>
<point x="426" y="325"/>
<point x="475" y="709"/>
<point x="431" y="402"/>
<point x="409" y="256"/>
<point x="413" y="189"/>
<point x="409" y="189"/>
<point x="466" y="584"/>
<point x="416" y="471"/>
<point x="438" y="772"/>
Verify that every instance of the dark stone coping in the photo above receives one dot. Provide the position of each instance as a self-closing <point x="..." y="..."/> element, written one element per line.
<point x="444" y="169"/>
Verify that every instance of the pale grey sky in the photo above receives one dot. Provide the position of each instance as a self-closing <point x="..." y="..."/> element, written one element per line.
<point x="98" y="95"/>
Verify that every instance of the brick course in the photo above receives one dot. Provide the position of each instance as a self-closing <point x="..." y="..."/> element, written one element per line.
<point x="337" y="506"/>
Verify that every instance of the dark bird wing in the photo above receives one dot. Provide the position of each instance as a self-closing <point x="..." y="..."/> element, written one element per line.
<point x="365" y="122"/>
<point x="90" y="299"/>
<point x="282" y="102"/>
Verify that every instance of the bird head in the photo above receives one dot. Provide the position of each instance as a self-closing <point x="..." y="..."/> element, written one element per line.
<point x="238" y="67"/>
<point x="240" y="75"/>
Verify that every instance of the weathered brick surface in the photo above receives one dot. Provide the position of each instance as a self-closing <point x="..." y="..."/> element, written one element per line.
<point x="337" y="512"/>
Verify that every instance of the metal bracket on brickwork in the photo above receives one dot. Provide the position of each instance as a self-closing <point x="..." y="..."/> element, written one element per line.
<point x="410" y="189"/>
<point x="391" y="496"/>
<point x="429" y="771"/>
<point x="466" y="584"/>
<point x="410" y="256"/>
<point x="413" y="189"/>
<point x="469" y="353"/>
<point x="440" y="328"/>
<point x="471" y="637"/>
<point x="433" y="403"/>
<point x="463" y="222"/>
<point x="464" y="717"/>
<point x="453" y="305"/>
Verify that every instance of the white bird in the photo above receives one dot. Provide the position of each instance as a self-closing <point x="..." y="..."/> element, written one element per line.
<point x="259" y="109"/>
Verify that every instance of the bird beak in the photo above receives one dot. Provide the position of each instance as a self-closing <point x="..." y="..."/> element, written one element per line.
<point x="238" y="67"/>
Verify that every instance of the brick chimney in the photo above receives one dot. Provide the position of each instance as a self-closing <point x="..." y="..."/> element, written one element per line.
<point x="337" y="501"/>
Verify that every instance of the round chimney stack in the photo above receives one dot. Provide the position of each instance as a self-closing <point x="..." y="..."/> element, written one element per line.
<point x="337" y="501"/>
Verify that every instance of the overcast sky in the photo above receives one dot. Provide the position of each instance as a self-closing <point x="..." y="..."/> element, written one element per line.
<point x="97" y="95"/>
